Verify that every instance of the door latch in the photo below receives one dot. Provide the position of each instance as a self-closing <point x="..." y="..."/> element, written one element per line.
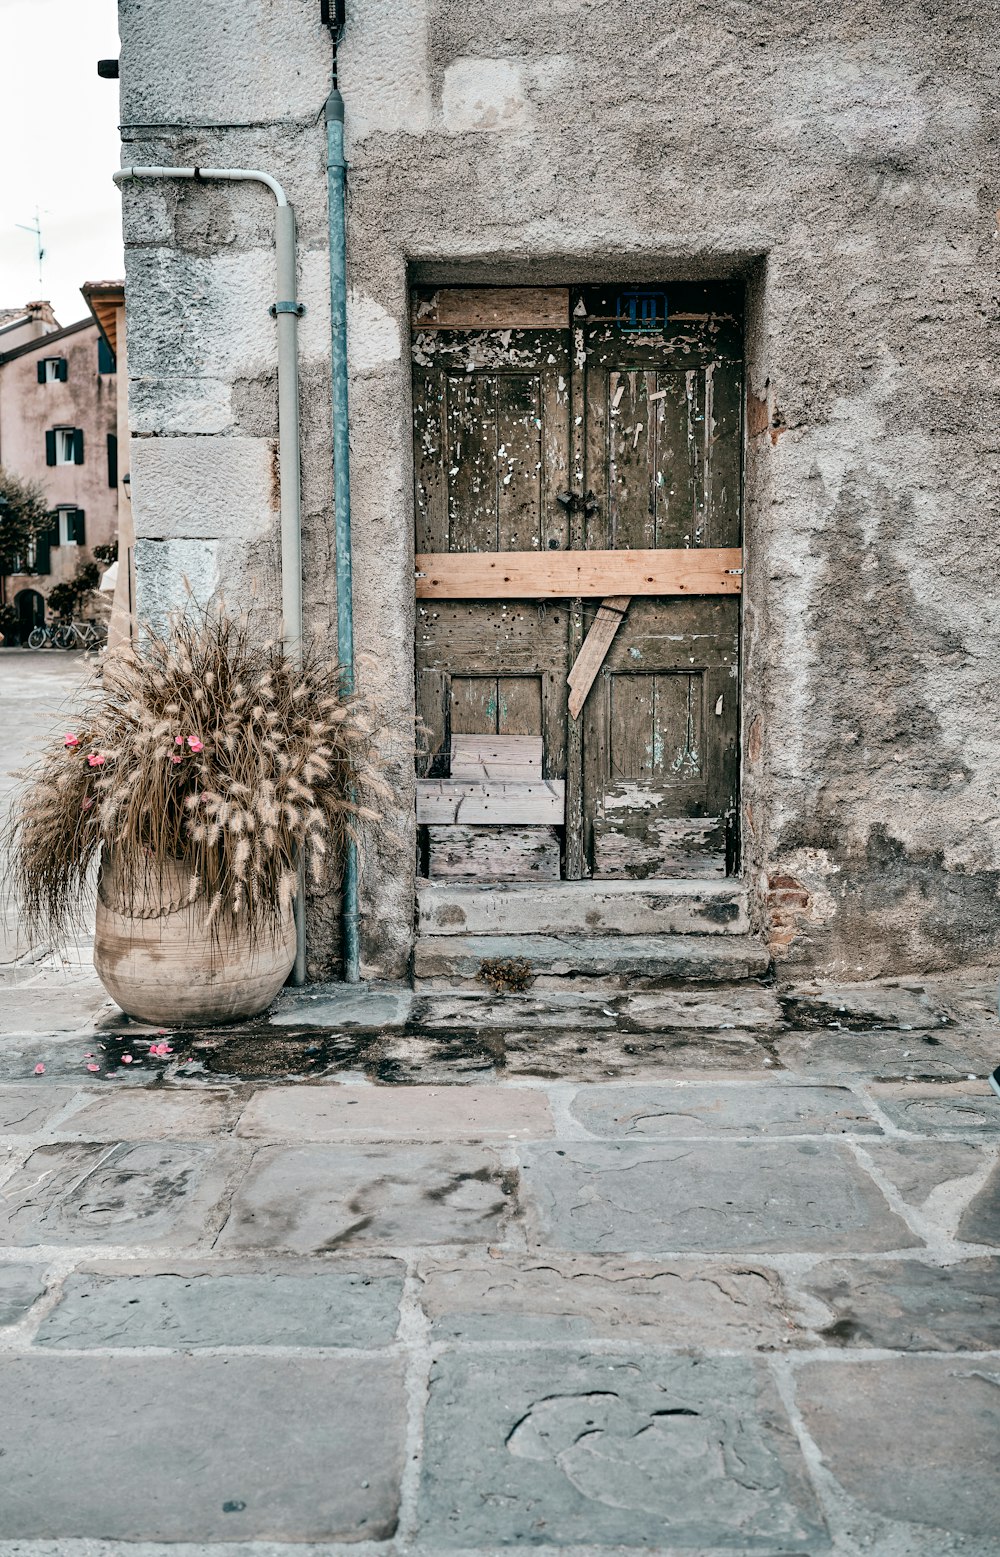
<point x="575" y="502"/>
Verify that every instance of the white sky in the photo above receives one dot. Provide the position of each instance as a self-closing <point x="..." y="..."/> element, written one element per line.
<point x="60" y="146"/>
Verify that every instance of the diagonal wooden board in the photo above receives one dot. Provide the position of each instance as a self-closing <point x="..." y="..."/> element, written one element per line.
<point x="594" y="648"/>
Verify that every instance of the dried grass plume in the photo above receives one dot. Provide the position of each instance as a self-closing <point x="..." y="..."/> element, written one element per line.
<point x="205" y="747"/>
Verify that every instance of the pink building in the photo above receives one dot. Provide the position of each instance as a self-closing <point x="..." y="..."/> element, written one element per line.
<point x="59" y="427"/>
<point x="18" y="325"/>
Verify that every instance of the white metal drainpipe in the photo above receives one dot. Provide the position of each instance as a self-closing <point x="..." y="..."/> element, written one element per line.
<point x="286" y="310"/>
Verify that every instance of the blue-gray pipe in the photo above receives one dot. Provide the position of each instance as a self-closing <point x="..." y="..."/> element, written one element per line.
<point x="336" y="169"/>
<point x="286" y="312"/>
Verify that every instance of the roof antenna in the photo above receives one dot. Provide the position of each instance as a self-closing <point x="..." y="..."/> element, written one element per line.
<point x="37" y="230"/>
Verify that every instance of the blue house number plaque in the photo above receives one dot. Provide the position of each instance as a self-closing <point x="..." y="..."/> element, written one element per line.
<point x="641" y="312"/>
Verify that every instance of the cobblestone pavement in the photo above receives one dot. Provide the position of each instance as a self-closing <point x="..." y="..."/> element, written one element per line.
<point x="700" y="1272"/>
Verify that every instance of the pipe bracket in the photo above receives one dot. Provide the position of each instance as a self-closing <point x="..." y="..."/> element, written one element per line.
<point x="298" y="309"/>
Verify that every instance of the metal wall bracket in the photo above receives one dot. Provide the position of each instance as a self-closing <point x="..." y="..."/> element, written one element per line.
<point x="287" y="308"/>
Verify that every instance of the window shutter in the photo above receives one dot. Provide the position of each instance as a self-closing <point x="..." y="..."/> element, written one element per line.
<point x="62" y="371"/>
<point x="105" y="356"/>
<point x="78" y="446"/>
<point x="77" y="529"/>
<point x="41" y="371"/>
<point x="43" y="554"/>
<point x="50" y="446"/>
<point x="54" y="532"/>
<point x="112" y="460"/>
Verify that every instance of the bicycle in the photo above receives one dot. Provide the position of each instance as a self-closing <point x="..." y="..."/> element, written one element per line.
<point x="47" y="637"/>
<point x="85" y="635"/>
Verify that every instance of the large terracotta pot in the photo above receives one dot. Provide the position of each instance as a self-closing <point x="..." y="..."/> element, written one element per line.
<point x="157" y="957"/>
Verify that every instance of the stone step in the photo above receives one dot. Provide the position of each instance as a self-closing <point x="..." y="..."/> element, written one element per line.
<point x="568" y="961"/>
<point x="709" y="907"/>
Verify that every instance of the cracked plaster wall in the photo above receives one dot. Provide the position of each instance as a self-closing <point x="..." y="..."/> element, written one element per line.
<point x="838" y="159"/>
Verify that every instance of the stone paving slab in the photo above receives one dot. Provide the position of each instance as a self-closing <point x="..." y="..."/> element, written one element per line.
<point x="707" y="1195"/>
<point x="906" y="1005"/>
<point x="153" y="1115"/>
<point x="685" y="1303"/>
<point x="881" y="1054"/>
<point x="412" y="1113"/>
<point x="724" y="1009"/>
<point x="604" y="1055"/>
<point x="65" y="1059"/>
<point x="912" y="1439"/>
<point x="908" y="1305"/>
<point x="633" y="1450"/>
<point x="61" y="1005"/>
<point x="450" y="1058"/>
<point x="28" y="1109"/>
<point x="342" y="1005"/>
<point x="746" y="1108"/>
<point x="200" y="1448"/>
<point x="89" y="1193"/>
<point x="455" y="1009"/>
<point x="926" y="1108"/>
<point x="20" y="1288"/>
<point x="939" y="1179"/>
<point x="981" y="1219"/>
<point x="314" y="1199"/>
<point x="346" y="1306"/>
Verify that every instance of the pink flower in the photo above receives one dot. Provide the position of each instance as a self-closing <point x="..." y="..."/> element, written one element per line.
<point x="126" y="1059"/>
<point x="97" y="759"/>
<point x="175" y="759"/>
<point x="70" y="739"/>
<point x="39" y="1070"/>
<point x="87" y="804"/>
<point x="93" y="1067"/>
<point x="195" y="744"/>
<point x="178" y="740"/>
<point x="160" y="1049"/>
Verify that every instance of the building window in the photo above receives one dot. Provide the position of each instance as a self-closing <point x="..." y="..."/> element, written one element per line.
<point x="64" y="446"/>
<point x="112" y="460"/>
<point x="72" y="531"/>
<point x="105" y="357"/>
<point x="53" y="370"/>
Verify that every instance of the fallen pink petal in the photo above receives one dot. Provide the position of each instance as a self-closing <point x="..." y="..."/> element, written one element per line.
<point x="39" y="1070"/>
<point x="93" y="1067"/>
<point x="126" y="1059"/>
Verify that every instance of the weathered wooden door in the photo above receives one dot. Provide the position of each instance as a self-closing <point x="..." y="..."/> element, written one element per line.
<point x="491" y="420"/>
<point x="661" y="396"/>
<point x="548" y="422"/>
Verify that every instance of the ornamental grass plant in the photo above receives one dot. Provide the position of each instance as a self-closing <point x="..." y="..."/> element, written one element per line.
<point x="205" y="748"/>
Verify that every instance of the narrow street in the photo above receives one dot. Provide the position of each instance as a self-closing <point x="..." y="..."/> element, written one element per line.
<point x="567" y="1272"/>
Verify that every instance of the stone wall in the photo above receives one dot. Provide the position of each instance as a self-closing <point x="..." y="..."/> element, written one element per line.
<point x="835" y="158"/>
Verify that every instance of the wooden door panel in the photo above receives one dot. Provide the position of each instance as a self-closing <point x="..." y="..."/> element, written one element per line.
<point x="655" y="725"/>
<point x="491" y="439"/>
<point x="496" y="705"/>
